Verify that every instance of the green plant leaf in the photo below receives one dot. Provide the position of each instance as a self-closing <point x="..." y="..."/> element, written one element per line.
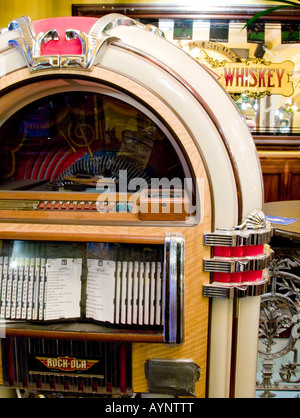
<point x="263" y="13"/>
<point x="284" y="4"/>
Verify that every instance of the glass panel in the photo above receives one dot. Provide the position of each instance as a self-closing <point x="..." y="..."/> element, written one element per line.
<point x="71" y="141"/>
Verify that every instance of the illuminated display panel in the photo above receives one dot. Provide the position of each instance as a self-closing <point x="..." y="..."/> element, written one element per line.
<point x="77" y="140"/>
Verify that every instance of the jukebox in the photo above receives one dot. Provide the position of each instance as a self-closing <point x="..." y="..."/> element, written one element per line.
<point x="133" y="251"/>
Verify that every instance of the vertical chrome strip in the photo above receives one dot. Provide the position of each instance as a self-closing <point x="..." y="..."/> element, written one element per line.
<point x="180" y="288"/>
<point x="173" y="290"/>
<point x="166" y="291"/>
<point x="173" y="296"/>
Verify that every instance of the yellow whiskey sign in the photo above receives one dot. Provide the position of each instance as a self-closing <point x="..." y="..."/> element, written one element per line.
<point x="255" y="77"/>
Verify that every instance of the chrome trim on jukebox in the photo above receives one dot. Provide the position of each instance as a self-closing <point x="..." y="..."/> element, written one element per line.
<point x="29" y="45"/>
<point x="235" y="265"/>
<point x="113" y="20"/>
<point x="254" y="231"/>
<point x="173" y="298"/>
<point x="235" y="239"/>
<point x="237" y="291"/>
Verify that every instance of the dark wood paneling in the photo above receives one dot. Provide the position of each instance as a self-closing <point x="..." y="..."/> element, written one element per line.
<point x="281" y="174"/>
<point x="271" y="187"/>
<point x="295" y="186"/>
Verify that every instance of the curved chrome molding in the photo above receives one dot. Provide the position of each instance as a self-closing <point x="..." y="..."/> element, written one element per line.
<point x="238" y="265"/>
<point x="29" y="45"/>
<point x="237" y="291"/>
<point x="254" y="231"/>
<point x="173" y="297"/>
<point x="113" y="20"/>
<point x="236" y="239"/>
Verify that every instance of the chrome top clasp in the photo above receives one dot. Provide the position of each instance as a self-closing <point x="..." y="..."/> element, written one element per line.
<point x="30" y="45"/>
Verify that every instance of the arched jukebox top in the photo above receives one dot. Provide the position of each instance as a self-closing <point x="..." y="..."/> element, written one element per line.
<point x="80" y="112"/>
<point x="121" y="157"/>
